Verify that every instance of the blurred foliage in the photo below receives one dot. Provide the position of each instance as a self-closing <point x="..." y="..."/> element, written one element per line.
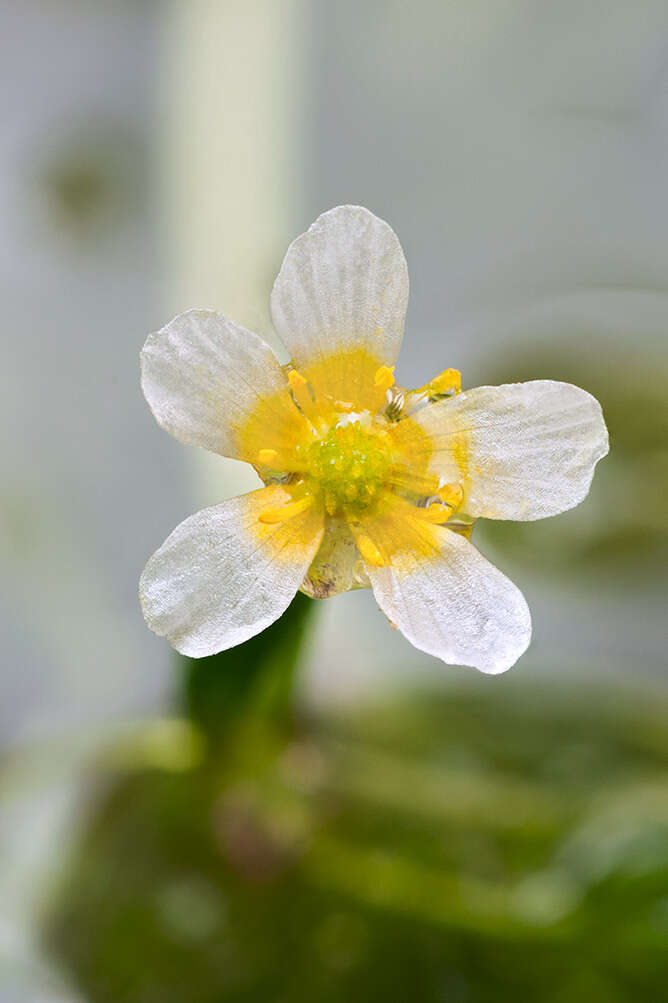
<point x="88" y="179"/>
<point x="622" y="528"/>
<point x="486" y="844"/>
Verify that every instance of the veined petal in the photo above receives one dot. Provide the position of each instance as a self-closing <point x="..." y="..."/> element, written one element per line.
<point x="521" y="451"/>
<point x="204" y="376"/>
<point x="343" y="286"/>
<point x="223" y="576"/>
<point x="442" y="594"/>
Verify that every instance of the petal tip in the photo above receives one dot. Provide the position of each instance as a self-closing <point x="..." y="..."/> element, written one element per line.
<point x="342" y="283"/>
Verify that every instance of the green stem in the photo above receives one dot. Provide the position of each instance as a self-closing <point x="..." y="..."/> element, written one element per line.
<point x="254" y="679"/>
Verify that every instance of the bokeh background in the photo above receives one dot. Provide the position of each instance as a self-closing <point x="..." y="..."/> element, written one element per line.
<point x="420" y="832"/>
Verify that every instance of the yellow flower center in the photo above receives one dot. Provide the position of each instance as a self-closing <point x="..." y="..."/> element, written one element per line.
<point x="340" y="437"/>
<point x="348" y="466"/>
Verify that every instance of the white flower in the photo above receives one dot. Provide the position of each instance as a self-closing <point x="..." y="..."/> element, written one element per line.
<point x="366" y="483"/>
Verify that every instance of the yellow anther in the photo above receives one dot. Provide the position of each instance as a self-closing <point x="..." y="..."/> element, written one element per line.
<point x="331" y="503"/>
<point x="369" y="551"/>
<point x="435" y="512"/>
<point x="300" y="390"/>
<point x="272" y="515"/>
<point x="296" y="380"/>
<point x="451" y="495"/>
<point x="351" y="491"/>
<point x="266" y="457"/>
<point x="384" y="377"/>
<point x="448" y="382"/>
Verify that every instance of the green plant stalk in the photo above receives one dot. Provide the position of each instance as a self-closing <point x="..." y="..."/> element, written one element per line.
<point x="253" y="681"/>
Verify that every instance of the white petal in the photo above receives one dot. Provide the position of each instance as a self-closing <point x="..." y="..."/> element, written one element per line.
<point x="343" y="285"/>
<point x="522" y="450"/>
<point x="202" y="376"/>
<point x="454" y="604"/>
<point x="222" y="576"/>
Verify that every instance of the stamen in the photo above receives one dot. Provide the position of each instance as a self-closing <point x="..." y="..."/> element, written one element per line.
<point x="369" y="550"/>
<point x="384" y="377"/>
<point x="450" y="498"/>
<point x="300" y="390"/>
<point x="266" y="457"/>
<point x="395" y="404"/>
<point x="447" y="383"/>
<point x="435" y="513"/>
<point x="272" y="515"/>
<point x="296" y="380"/>
<point x="451" y="495"/>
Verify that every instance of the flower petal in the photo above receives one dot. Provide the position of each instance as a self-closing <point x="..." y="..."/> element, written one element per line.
<point x="223" y="576"/>
<point x="442" y="594"/>
<point x="521" y="451"/>
<point x="203" y="376"/>
<point x="343" y="285"/>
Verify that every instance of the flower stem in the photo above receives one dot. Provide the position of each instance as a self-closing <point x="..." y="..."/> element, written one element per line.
<point x="254" y="679"/>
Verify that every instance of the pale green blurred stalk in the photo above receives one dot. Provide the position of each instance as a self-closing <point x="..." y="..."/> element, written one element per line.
<point x="233" y="170"/>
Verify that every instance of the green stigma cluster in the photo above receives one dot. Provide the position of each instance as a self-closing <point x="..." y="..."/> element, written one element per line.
<point x="349" y="466"/>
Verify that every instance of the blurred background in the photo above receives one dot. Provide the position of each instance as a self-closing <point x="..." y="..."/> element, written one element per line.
<point x="374" y="824"/>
